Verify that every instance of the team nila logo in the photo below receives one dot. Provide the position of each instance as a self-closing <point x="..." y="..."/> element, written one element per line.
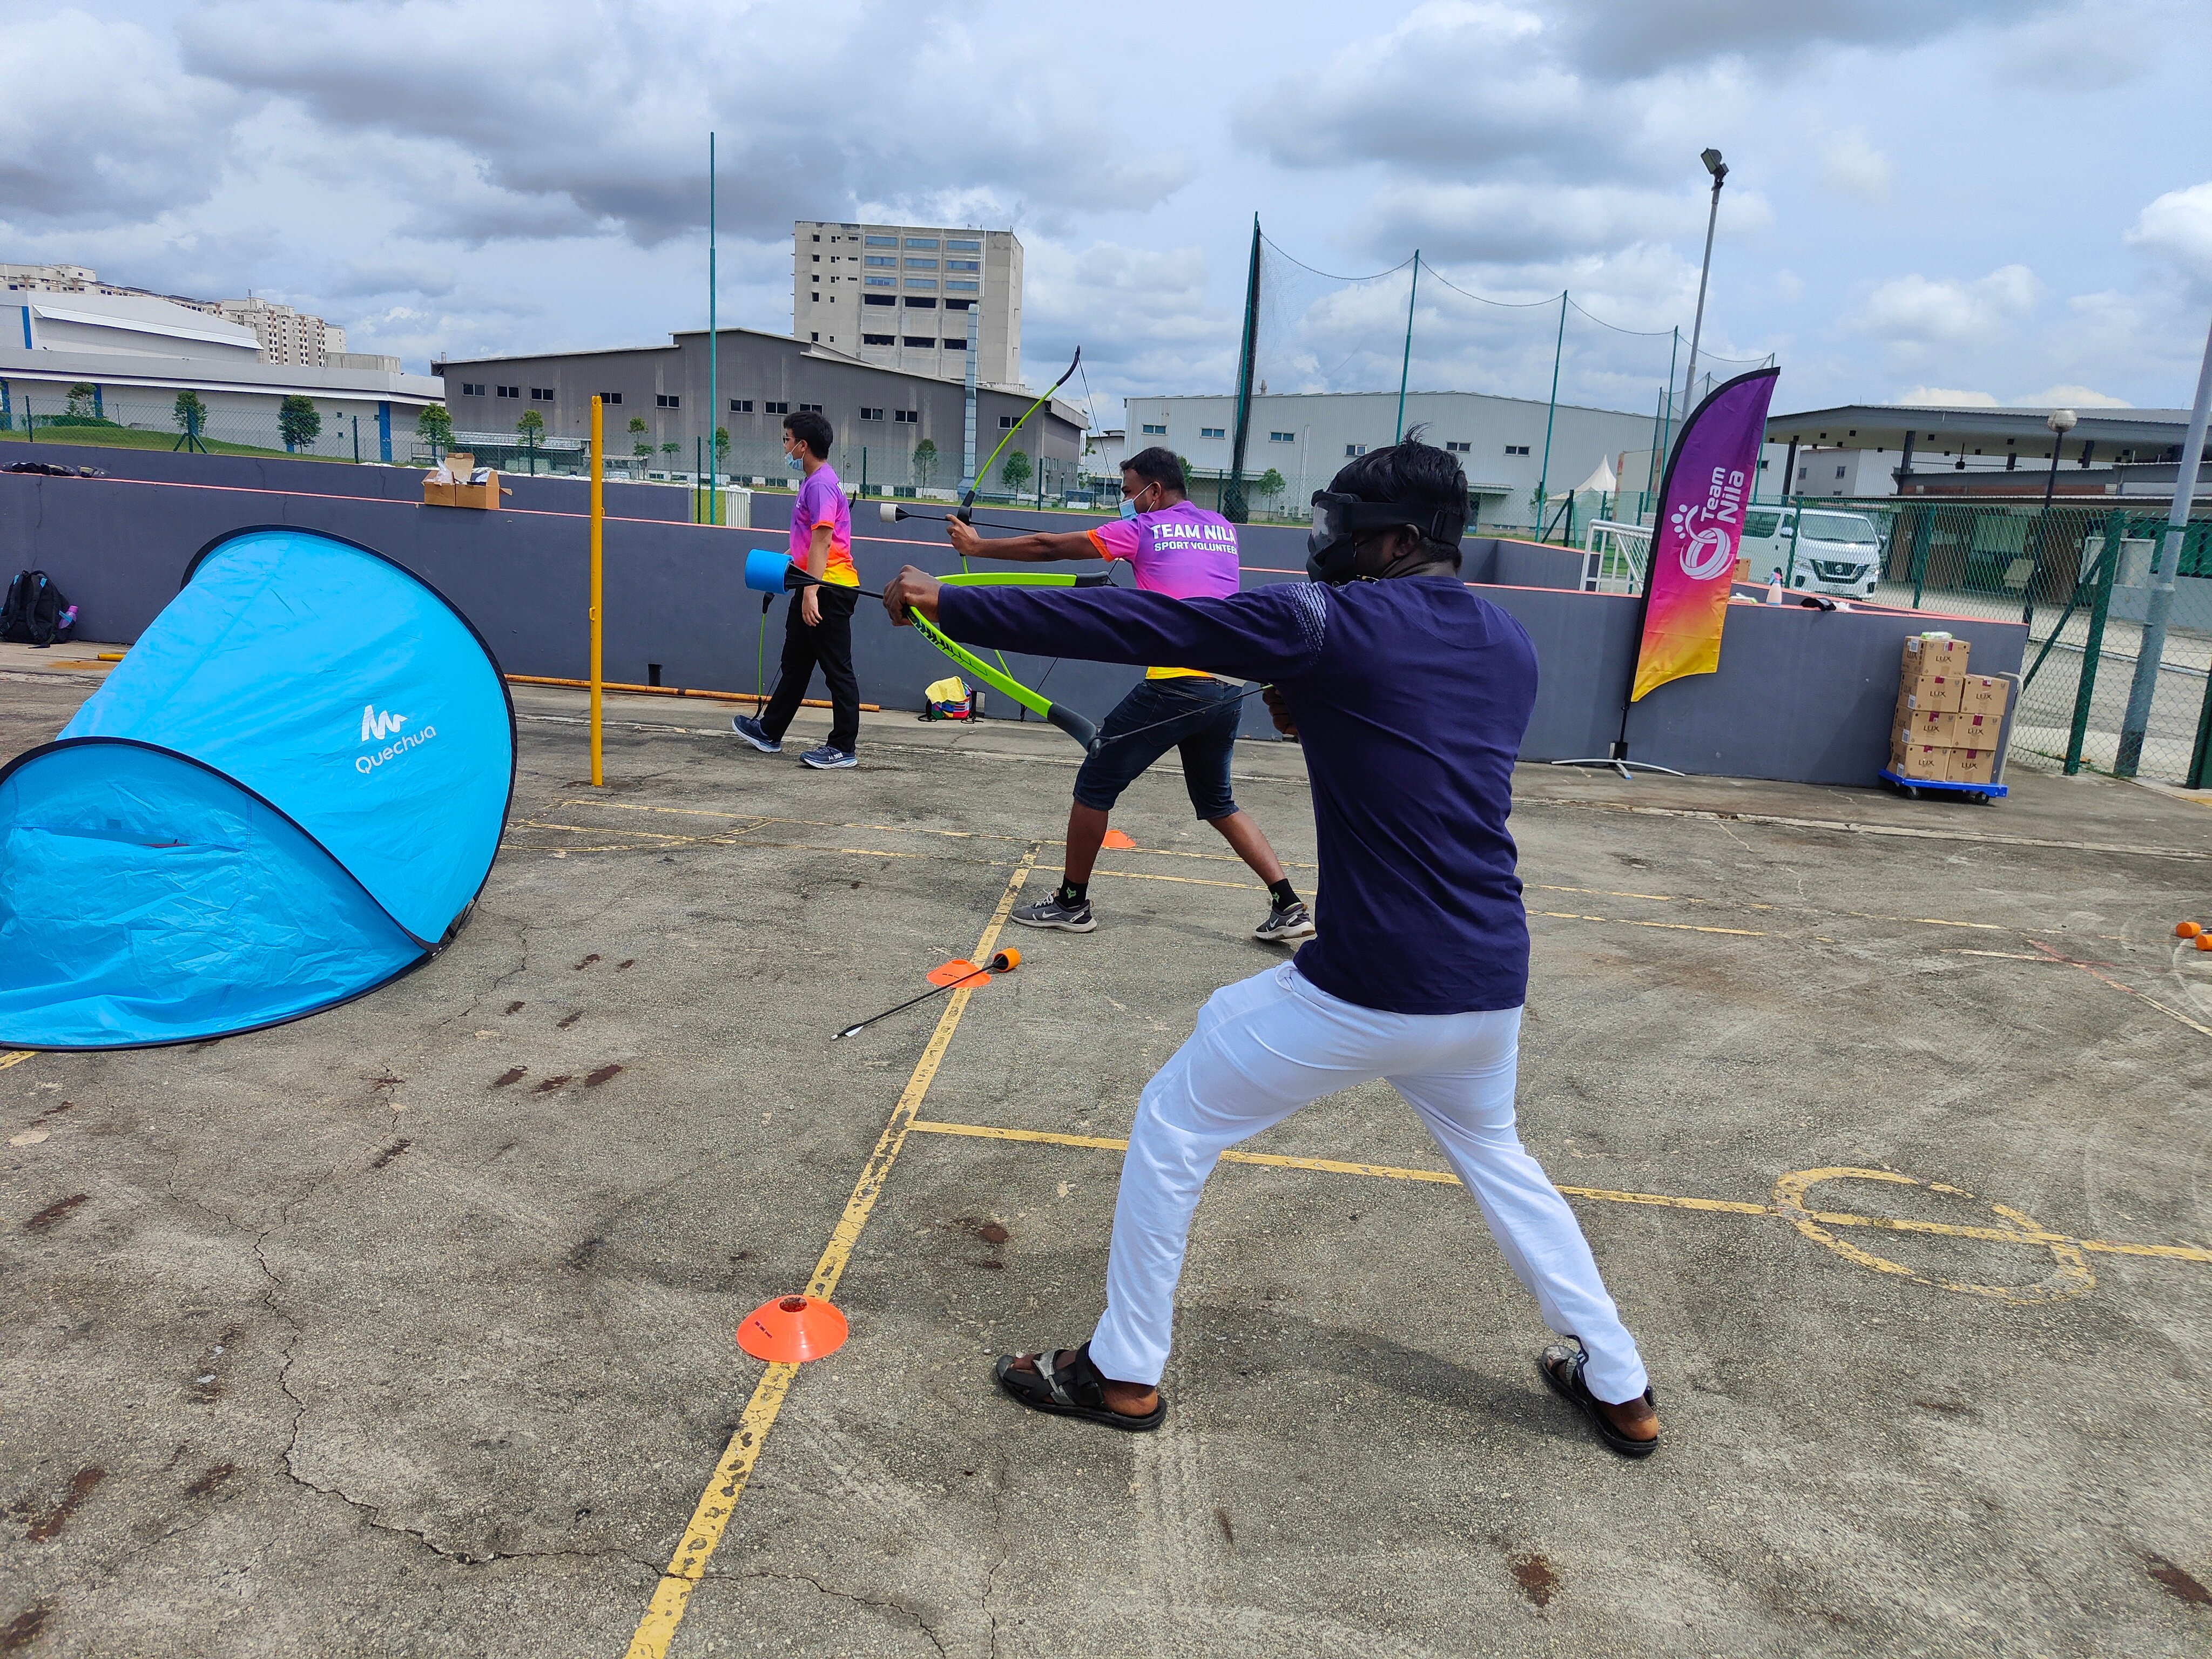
<point x="1708" y="529"/>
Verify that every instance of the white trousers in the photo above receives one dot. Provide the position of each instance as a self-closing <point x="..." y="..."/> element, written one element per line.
<point x="1266" y="1046"/>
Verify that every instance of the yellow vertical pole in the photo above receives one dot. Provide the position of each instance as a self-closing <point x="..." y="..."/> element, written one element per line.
<point x="598" y="521"/>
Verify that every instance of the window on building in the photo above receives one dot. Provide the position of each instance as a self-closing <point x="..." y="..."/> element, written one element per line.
<point x="954" y="284"/>
<point x="879" y="261"/>
<point x="667" y="400"/>
<point x="1517" y="449"/>
<point x="963" y="264"/>
<point x="879" y="282"/>
<point x="882" y="241"/>
<point x="917" y="304"/>
<point x="912" y="263"/>
<point x="1839" y="473"/>
<point x="926" y="342"/>
<point x="1282" y="437"/>
<point x="816" y="408"/>
<point x="815" y="294"/>
<point x="510" y="391"/>
<point x="956" y="345"/>
<point x="817" y="337"/>
<point x="1006" y="423"/>
<point x="1454" y="446"/>
<point x="1351" y="450"/>
<point x="775" y="408"/>
<point x="921" y="241"/>
<point x="879" y="339"/>
<point x="921" y="282"/>
<point x="1159" y="431"/>
<point x="610" y="398"/>
<point x="879" y="299"/>
<point x="1213" y="432"/>
<point x="472" y="389"/>
<point x="741" y="405"/>
<point x="541" y="394"/>
<point x="817" y="257"/>
<point x="954" y="246"/>
<point x="906" y="417"/>
<point x="872" y="414"/>
<point x="956" y="305"/>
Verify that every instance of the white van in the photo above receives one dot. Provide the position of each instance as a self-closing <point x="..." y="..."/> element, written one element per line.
<point x="1834" y="552"/>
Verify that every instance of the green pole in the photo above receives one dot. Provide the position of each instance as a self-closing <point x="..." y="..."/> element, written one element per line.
<point x="1405" y="367"/>
<point x="1237" y="510"/>
<point x="2116" y="529"/>
<point x="1544" y="476"/>
<point x="1923" y="525"/>
<point x="1667" y="425"/>
<point x="1796" y="524"/>
<point x="714" y="337"/>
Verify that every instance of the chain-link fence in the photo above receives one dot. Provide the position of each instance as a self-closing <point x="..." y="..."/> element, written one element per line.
<point x="2079" y="576"/>
<point x="332" y="429"/>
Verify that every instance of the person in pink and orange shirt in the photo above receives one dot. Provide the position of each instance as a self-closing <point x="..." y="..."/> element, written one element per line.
<point x="1181" y="549"/>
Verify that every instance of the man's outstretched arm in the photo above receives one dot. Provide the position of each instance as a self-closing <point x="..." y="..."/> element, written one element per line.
<point x="1042" y="547"/>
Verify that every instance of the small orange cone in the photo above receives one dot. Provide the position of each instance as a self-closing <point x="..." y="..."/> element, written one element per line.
<point x="2187" y="930"/>
<point x="792" y="1329"/>
<point x="1116" y="842"/>
<point x="952" y="972"/>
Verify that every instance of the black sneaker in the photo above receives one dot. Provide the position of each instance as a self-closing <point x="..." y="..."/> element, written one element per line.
<point x="1292" y="920"/>
<point x="1068" y="918"/>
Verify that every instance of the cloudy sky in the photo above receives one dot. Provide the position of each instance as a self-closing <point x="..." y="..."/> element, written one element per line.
<point x="1963" y="202"/>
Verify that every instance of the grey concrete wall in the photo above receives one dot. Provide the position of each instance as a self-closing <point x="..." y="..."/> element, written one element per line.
<point x="1801" y="695"/>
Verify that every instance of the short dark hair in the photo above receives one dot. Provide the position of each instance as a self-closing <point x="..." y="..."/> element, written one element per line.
<point x="1413" y="474"/>
<point x="1158" y="466"/>
<point x="811" y="427"/>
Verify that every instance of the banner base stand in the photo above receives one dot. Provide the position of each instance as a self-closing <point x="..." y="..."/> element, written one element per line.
<point x="1618" y="761"/>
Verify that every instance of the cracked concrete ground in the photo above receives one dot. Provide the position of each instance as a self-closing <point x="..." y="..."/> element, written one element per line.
<point x="406" y="1330"/>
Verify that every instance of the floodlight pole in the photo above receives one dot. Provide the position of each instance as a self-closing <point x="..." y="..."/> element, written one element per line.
<point x="1718" y="168"/>
<point x="2145" y="687"/>
<point x="2061" y="421"/>
<point x="598" y="521"/>
<point x="1544" y="474"/>
<point x="1405" y="366"/>
<point x="714" y="339"/>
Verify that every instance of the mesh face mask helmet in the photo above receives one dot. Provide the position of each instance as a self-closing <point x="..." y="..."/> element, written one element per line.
<point x="1341" y="521"/>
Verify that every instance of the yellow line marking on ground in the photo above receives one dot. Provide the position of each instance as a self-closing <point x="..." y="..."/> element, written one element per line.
<point x="2202" y="1031"/>
<point x="1671" y="927"/>
<point x="17" y="1058"/>
<point x="2038" y="1237"/>
<point x="704" y="1531"/>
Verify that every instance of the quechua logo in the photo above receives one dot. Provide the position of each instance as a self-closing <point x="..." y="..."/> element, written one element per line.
<point x="376" y="728"/>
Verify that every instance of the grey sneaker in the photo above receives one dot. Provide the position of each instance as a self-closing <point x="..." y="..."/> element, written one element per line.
<point x="829" y="759"/>
<point x="756" y="734"/>
<point x="1292" y="921"/>
<point x="1068" y="918"/>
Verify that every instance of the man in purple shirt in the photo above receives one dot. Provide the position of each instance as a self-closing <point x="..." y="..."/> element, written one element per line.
<point x="1175" y="547"/>
<point x="1408" y="694"/>
<point x="818" y="628"/>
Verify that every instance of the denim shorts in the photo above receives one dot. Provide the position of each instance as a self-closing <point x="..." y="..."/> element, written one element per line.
<point x="1196" y="714"/>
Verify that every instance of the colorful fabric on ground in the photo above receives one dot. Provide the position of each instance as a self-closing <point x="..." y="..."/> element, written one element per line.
<point x="1410" y="697"/>
<point x="822" y="500"/>
<point x="1700" y="524"/>
<point x="1182" y="551"/>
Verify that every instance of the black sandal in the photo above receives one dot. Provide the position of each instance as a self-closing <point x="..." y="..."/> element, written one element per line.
<point x="1076" y="1389"/>
<point x="1575" y="1392"/>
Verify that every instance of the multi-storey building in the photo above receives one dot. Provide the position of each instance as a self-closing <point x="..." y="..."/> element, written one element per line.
<point x="287" y="336"/>
<point x="903" y="296"/>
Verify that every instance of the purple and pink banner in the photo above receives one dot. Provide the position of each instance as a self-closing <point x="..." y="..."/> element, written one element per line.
<point x="1700" y="522"/>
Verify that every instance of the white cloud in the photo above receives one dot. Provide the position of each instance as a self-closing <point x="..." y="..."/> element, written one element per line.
<point x="1851" y="164"/>
<point x="2076" y="396"/>
<point x="2178" y="227"/>
<point x="1944" y="397"/>
<point x="1919" y="309"/>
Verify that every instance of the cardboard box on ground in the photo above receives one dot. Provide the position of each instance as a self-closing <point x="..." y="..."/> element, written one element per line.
<point x="457" y="481"/>
<point x="1947" y="719"/>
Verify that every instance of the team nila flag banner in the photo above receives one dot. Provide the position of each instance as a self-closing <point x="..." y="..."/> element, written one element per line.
<point x="1699" y="525"/>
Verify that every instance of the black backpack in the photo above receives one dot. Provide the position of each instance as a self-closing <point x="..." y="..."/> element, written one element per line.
<point x="31" y="613"/>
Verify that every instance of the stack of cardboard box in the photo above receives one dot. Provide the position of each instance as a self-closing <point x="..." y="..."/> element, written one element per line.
<point x="1947" y="719"/>
<point x="457" y="481"/>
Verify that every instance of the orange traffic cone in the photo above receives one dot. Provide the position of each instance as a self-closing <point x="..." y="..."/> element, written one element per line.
<point x="952" y="972"/>
<point x="792" y="1329"/>
<point x="1116" y="842"/>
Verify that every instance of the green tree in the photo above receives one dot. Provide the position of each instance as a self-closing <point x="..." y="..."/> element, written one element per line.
<point x="671" y="449"/>
<point x="531" y="425"/>
<point x="639" y="446"/>
<point x="436" y="427"/>
<point x="1268" y="485"/>
<point x="925" y="461"/>
<point x="297" y="422"/>
<point x="1015" y="472"/>
<point x="722" y="448"/>
<point x="189" y="413"/>
<point x="83" y="404"/>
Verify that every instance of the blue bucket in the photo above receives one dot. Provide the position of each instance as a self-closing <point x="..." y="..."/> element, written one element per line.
<point x="765" y="570"/>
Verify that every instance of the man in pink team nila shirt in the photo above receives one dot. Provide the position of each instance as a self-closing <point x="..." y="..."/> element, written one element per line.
<point x="1182" y="550"/>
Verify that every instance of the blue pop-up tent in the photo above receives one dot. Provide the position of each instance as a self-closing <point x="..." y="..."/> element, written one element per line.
<point x="289" y="793"/>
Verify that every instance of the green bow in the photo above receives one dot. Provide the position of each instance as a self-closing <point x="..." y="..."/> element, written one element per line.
<point x="1004" y="682"/>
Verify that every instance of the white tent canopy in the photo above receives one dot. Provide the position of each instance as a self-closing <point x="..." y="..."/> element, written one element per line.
<point x="1600" y="479"/>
